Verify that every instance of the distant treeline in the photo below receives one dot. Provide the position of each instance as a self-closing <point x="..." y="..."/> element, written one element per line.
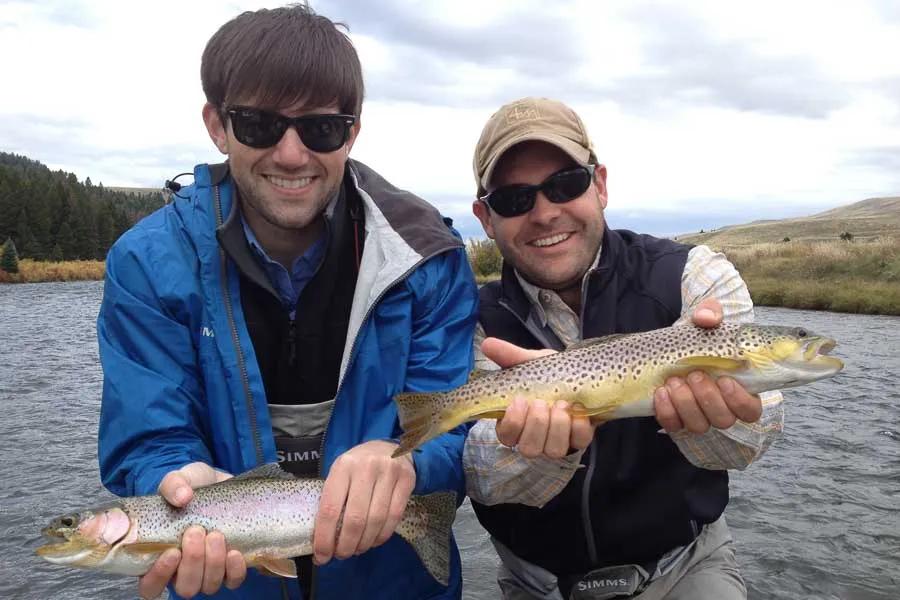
<point x="51" y="216"/>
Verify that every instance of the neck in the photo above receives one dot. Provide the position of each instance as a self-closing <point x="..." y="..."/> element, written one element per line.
<point x="572" y="297"/>
<point x="284" y="245"/>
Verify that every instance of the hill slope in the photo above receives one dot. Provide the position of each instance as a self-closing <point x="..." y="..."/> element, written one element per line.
<point x="867" y="219"/>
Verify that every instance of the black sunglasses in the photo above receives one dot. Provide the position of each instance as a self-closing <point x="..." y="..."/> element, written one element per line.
<point x="259" y="128"/>
<point x="563" y="186"/>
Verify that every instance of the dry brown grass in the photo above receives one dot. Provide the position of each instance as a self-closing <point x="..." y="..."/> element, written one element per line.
<point x="31" y="271"/>
<point x="858" y="277"/>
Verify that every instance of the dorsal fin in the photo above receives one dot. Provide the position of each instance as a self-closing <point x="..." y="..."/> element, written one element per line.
<point x="266" y="471"/>
<point x="597" y="340"/>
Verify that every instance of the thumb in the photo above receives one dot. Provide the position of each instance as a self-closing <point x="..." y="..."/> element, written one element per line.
<point x="509" y="355"/>
<point x="708" y="313"/>
<point x="176" y="488"/>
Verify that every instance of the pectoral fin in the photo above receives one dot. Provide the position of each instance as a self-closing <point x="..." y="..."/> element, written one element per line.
<point x="147" y="547"/>
<point x="597" y="415"/>
<point x="276" y="567"/>
<point x="491" y="414"/>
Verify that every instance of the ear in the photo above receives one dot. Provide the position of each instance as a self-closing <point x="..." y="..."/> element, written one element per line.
<point x="600" y="184"/>
<point x="215" y="127"/>
<point x="481" y="210"/>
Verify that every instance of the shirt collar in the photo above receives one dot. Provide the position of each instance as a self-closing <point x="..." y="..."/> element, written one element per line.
<point x="534" y="293"/>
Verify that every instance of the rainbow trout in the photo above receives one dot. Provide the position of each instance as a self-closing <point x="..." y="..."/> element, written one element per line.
<point x="615" y="377"/>
<point x="267" y="514"/>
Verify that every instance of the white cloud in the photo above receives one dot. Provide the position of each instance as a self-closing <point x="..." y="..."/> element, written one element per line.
<point x="695" y="107"/>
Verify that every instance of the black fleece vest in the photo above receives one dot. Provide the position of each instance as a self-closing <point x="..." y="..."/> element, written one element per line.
<point x="637" y="497"/>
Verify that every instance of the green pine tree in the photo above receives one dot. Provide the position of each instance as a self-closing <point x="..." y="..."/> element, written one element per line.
<point x="9" y="262"/>
<point x="67" y="242"/>
<point x="56" y="255"/>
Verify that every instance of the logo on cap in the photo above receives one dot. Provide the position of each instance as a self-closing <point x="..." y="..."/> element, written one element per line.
<point x="522" y="111"/>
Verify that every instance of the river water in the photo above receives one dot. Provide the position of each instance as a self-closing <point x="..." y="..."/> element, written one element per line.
<point x="818" y="517"/>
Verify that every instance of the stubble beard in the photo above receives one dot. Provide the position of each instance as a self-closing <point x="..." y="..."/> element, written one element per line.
<point x="253" y="197"/>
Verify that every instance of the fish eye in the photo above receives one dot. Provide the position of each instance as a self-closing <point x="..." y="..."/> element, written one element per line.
<point x="801" y="333"/>
<point x="67" y="521"/>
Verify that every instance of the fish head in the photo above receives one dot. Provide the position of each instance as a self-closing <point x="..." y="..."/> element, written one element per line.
<point x="787" y="356"/>
<point x="85" y="538"/>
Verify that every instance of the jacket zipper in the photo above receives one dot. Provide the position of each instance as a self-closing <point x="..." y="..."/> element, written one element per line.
<point x="229" y="311"/>
<point x="589" y="476"/>
<point x="352" y="356"/>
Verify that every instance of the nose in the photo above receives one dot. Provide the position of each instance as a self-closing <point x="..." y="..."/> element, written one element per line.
<point x="290" y="153"/>
<point x="544" y="211"/>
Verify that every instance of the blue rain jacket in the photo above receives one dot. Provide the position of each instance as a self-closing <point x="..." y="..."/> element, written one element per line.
<point x="181" y="383"/>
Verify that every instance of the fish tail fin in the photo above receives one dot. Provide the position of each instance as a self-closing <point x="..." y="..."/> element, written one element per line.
<point x="417" y="418"/>
<point x="426" y="526"/>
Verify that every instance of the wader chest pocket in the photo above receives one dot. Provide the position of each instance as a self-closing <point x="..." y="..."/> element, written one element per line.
<point x="299" y="455"/>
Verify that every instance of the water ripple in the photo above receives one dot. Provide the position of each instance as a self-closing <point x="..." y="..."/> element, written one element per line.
<point x="818" y="517"/>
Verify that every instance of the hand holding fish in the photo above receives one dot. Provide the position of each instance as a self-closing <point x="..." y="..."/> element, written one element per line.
<point x="202" y="564"/>
<point x="698" y="401"/>
<point x="371" y="489"/>
<point x="538" y="428"/>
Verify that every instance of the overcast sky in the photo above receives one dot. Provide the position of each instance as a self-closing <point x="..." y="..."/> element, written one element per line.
<point x="705" y="113"/>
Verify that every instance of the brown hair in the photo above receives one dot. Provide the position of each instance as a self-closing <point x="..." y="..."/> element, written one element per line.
<point x="281" y="57"/>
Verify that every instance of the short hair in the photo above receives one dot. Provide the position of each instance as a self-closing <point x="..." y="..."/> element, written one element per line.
<point x="281" y="57"/>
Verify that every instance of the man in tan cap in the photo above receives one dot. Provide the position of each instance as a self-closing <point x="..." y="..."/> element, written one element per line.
<point x="620" y="510"/>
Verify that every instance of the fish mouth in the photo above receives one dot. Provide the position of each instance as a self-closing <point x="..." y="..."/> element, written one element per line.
<point x="815" y="353"/>
<point x="70" y="548"/>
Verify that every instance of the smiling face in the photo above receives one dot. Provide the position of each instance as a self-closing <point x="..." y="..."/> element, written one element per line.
<point x="553" y="245"/>
<point x="284" y="189"/>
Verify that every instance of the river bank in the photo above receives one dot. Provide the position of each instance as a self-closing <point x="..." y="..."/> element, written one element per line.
<point x="32" y="271"/>
<point x="839" y="276"/>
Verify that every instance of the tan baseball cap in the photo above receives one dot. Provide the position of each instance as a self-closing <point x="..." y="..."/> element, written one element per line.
<point x="530" y="119"/>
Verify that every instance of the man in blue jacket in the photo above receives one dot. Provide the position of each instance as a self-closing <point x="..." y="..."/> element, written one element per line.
<point x="272" y="311"/>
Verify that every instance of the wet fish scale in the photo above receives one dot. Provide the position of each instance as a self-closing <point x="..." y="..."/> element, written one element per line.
<point x="614" y="377"/>
<point x="254" y="514"/>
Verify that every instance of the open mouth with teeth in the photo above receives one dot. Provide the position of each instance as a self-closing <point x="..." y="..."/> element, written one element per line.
<point x="289" y="184"/>
<point x="551" y="240"/>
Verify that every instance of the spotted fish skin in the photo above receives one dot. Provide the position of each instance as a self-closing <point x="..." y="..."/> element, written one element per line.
<point x="615" y="376"/>
<point x="267" y="514"/>
<point x="254" y="514"/>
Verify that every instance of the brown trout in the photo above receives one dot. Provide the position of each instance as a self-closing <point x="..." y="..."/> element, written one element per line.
<point x="267" y="514"/>
<point x="614" y="377"/>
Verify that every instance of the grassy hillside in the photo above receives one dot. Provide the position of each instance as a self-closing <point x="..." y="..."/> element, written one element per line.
<point x="866" y="220"/>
